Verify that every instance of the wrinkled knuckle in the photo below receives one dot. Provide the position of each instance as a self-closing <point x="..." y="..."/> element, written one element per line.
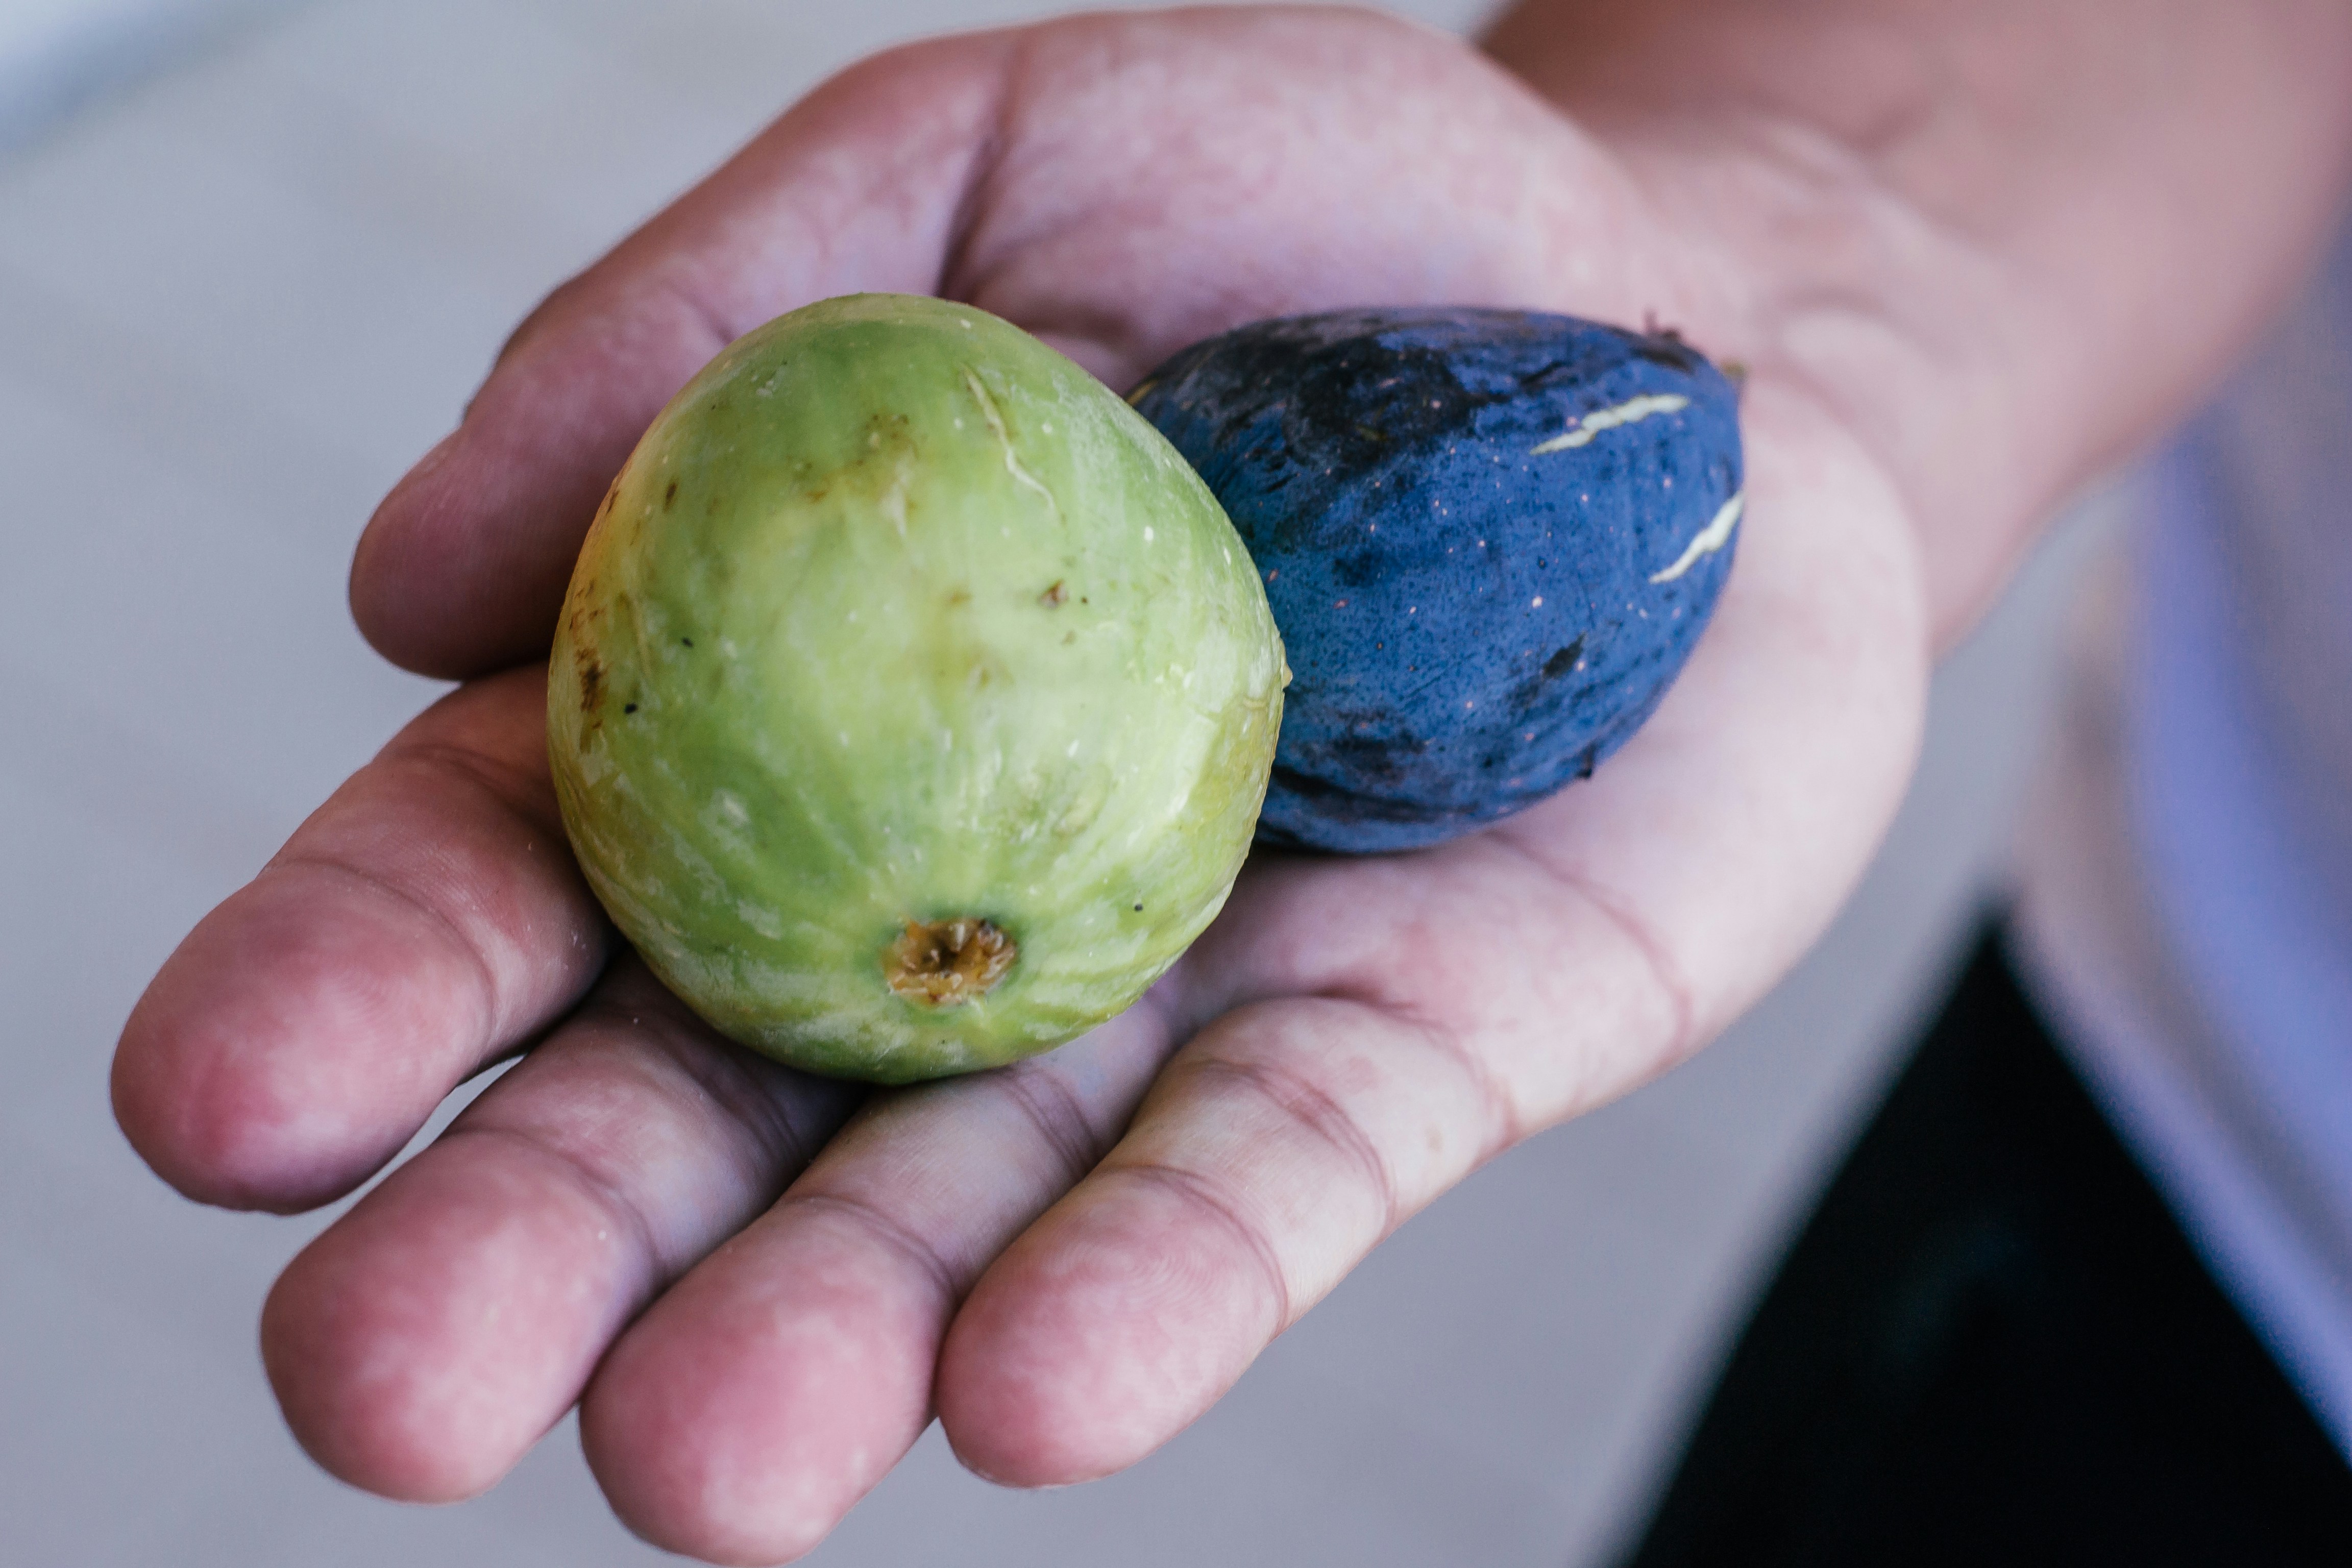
<point x="1200" y="1195"/>
<point x="1303" y="1104"/>
<point x="1054" y="1111"/>
<point x="1498" y="1109"/>
<point x="946" y="1280"/>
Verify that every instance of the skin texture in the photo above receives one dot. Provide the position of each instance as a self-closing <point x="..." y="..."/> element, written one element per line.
<point x="1936" y="232"/>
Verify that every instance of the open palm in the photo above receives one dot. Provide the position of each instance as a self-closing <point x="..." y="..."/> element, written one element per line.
<point x="761" y="1286"/>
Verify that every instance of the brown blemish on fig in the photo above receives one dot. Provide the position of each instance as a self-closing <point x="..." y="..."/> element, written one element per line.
<point x="669" y="496"/>
<point x="592" y="682"/>
<point x="1053" y="595"/>
<point x="585" y="665"/>
<point x="942" y="964"/>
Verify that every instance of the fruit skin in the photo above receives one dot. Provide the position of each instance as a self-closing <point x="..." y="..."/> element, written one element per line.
<point x="897" y="616"/>
<point x="1483" y="588"/>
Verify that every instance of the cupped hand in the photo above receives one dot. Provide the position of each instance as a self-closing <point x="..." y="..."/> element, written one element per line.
<point x="759" y="1286"/>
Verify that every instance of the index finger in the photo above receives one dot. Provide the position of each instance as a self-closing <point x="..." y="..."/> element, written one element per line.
<point x="426" y="919"/>
<point x="462" y="569"/>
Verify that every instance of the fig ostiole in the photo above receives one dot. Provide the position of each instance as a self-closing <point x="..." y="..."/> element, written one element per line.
<point x="913" y="701"/>
<point x="1490" y="538"/>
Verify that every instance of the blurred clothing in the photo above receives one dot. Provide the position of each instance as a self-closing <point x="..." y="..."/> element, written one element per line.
<point x="1992" y="1344"/>
<point x="2186" y="912"/>
<point x="2083" y="1292"/>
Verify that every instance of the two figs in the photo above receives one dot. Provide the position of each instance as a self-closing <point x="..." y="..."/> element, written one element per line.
<point x="916" y="699"/>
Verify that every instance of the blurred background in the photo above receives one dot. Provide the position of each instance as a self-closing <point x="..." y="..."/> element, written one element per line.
<point x="254" y="255"/>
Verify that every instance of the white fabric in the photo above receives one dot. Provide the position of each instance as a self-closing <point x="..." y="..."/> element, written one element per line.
<point x="2185" y="909"/>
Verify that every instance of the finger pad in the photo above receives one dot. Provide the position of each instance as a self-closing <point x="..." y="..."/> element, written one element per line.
<point x="741" y="1418"/>
<point x="463" y="567"/>
<point x="1104" y="1332"/>
<point x="420" y="1347"/>
<point x="239" y="1077"/>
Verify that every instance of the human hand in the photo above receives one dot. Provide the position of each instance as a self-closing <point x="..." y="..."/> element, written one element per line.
<point x="759" y="1286"/>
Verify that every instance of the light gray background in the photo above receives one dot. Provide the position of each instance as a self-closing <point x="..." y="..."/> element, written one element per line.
<point x="252" y="258"/>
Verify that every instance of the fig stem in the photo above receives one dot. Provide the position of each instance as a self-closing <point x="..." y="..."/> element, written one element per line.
<point x="943" y="963"/>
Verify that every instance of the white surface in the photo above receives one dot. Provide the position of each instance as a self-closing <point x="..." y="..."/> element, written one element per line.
<point x="59" y="55"/>
<point x="234" y="304"/>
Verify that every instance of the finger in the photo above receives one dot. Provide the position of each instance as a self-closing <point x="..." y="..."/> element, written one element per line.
<point x="744" y="1413"/>
<point x="463" y="565"/>
<point x="1288" y="1137"/>
<point x="427" y="1339"/>
<point x="426" y="919"/>
<point x="1278" y="1146"/>
<point x="1396" y="1021"/>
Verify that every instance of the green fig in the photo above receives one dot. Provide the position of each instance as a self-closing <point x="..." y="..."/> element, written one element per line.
<point x="913" y="701"/>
